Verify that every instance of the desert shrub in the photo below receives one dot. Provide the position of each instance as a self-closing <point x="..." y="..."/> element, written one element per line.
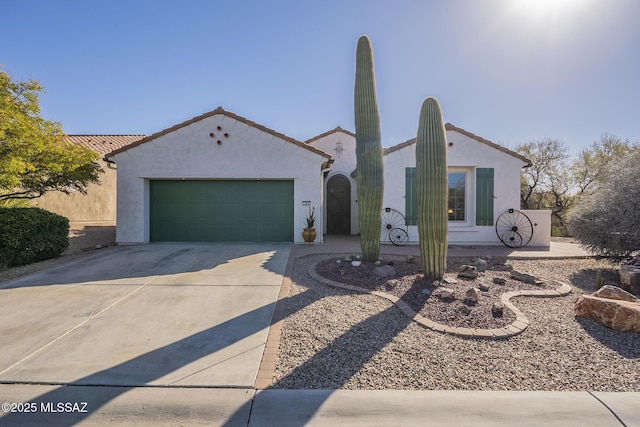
<point x="608" y="222"/>
<point x="29" y="235"/>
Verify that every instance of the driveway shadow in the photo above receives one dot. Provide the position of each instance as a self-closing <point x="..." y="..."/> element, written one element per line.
<point x="155" y="364"/>
<point x="145" y="369"/>
<point x="128" y="263"/>
<point x="169" y="263"/>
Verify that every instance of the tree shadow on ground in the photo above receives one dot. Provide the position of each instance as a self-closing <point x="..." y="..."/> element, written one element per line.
<point x="585" y="279"/>
<point x="626" y="344"/>
<point x="356" y="342"/>
<point x="91" y="237"/>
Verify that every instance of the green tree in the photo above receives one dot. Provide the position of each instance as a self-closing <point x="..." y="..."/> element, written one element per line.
<point x="35" y="155"/>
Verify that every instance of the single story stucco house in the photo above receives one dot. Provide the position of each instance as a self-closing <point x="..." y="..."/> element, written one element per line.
<point x="222" y="177"/>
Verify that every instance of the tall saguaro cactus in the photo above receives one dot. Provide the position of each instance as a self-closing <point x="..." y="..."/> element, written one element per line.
<point x="368" y="152"/>
<point x="432" y="189"/>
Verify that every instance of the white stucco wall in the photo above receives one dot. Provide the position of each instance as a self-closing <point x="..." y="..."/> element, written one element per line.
<point x="190" y="152"/>
<point x="344" y="164"/>
<point x="541" y="222"/>
<point x="464" y="154"/>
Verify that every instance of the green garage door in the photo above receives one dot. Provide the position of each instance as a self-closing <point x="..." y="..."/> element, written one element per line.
<point x="221" y="211"/>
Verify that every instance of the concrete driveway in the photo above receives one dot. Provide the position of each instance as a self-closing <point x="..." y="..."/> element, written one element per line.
<point x="163" y="315"/>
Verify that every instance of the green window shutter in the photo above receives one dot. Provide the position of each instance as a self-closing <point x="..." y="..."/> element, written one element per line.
<point x="484" y="196"/>
<point x="411" y="205"/>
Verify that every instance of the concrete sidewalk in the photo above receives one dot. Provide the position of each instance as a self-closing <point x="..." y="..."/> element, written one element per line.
<point x="170" y="406"/>
<point x="443" y="408"/>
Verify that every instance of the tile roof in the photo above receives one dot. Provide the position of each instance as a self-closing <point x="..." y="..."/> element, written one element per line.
<point x="329" y="132"/>
<point x="103" y="144"/>
<point x="219" y="111"/>
<point x="451" y="127"/>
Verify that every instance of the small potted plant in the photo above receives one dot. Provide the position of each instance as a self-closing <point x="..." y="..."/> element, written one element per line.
<point x="309" y="233"/>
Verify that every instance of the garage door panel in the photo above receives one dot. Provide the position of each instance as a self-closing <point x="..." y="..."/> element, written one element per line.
<point x="229" y="211"/>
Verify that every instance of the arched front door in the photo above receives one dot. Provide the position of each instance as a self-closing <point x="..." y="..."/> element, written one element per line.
<point x="338" y="205"/>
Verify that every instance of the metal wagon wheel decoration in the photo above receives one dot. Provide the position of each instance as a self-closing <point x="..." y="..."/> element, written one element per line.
<point x="394" y="227"/>
<point x="514" y="228"/>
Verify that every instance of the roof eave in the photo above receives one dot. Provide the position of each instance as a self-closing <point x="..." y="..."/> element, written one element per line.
<point x="220" y="111"/>
<point x="450" y="127"/>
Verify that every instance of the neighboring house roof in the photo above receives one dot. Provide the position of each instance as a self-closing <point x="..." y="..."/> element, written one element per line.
<point x="451" y="127"/>
<point x="329" y="132"/>
<point x="219" y="111"/>
<point x="103" y="144"/>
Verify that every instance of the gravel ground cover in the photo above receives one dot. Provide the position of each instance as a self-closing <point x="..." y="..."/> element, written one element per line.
<point x="420" y="293"/>
<point x="333" y="338"/>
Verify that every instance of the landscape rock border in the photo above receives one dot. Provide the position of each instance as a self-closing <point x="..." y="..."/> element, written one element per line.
<point x="516" y="327"/>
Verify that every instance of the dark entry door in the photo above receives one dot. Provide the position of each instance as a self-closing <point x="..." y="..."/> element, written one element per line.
<point x="338" y="205"/>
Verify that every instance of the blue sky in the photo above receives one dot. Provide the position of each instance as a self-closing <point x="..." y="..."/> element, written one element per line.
<point x="510" y="71"/>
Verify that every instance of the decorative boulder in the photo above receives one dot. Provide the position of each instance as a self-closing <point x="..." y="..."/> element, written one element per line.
<point x="497" y="309"/>
<point x="468" y="272"/>
<point x="472" y="295"/>
<point x="480" y="264"/>
<point x="630" y="278"/>
<point x="612" y="307"/>
<point x="523" y="277"/>
<point x="444" y="294"/>
<point x="384" y="271"/>
<point x="614" y="292"/>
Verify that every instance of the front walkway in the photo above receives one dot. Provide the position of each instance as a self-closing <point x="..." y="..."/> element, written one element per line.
<point x="351" y="244"/>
